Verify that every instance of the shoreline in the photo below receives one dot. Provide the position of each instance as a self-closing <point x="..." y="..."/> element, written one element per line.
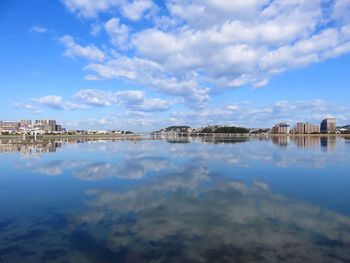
<point x="73" y="137"/>
<point x="141" y="137"/>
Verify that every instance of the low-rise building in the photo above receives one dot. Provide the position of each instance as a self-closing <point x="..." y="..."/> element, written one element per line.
<point x="10" y="126"/>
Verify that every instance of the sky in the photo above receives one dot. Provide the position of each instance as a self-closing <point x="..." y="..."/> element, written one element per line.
<point x="146" y="64"/>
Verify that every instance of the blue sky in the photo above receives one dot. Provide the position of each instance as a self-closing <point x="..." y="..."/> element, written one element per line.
<point x="143" y="64"/>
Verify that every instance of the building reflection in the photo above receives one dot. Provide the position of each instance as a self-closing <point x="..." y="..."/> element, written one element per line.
<point x="29" y="148"/>
<point x="281" y="140"/>
<point x="306" y="141"/>
<point x="327" y="143"/>
<point x="32" y="147"/>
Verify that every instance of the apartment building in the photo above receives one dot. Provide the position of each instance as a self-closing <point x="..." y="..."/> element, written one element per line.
<point x="329" y="125"/>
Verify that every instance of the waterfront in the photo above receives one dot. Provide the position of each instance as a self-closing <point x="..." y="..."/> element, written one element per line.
<point x="263" y="199"/>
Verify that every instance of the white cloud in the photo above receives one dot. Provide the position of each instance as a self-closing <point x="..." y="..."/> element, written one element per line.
<point x="131" y="99"/>
<point x="191" y="49"/>
<point x="147" y="72"/>
<point x="57" y="103"/>
<point x="90" y="8"/>
<point x="38" y="29"/>
<point x="133" y="10"/>
<point x="95" y="29"/>
<point x="208" y="12"/>
<point x="97" y="98"/>
<point x="136" y="9"/>
<point x="153" y="105"/>
<point x="73" y="50"/>
<point x="31" y="108"/>
<point x="118" y="33"/>
<point x="342" y="10"/>
<point x="263" y="116"/>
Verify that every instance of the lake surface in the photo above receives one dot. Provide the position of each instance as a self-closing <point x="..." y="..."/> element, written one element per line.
<point x="258" y="200"/>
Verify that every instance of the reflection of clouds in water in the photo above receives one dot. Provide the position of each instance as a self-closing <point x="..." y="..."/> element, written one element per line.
<point x="246" y="155"/>
<point x="190" y="208"/>
<point x="53" y="168"/>
<point x="207" y="213"/>
<point x="135" y="160"/>
<point x="142" y="197"/>
<point x="133" y="168"/>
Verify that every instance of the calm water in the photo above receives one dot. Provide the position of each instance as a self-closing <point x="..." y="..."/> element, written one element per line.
<point x="278" y="200"/>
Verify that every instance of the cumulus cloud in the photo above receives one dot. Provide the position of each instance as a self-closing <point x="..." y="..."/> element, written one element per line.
<point x="341" y="11"/>
<point x="57" y="103"/>
<point x="133" y="10"/>
<point x="132" y="99"/>
<point x="89" y="8"/>
<point x="31" y="108"/>
<point x="243" y="114"/>
<point x="118" y="33"/>
<point x="73" y="50"/>
<point x="136" y="9"/>
<point x="153" y="105"/>
<point x="95" y="97"/>
<point x="152" y="74"/>
<point x="190" y="50"/>
<point x="212" y="45"/>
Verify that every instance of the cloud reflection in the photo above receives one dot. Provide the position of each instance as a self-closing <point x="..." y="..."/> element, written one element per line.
<point x="134" y="161"/>
<point x="203" y="213"/>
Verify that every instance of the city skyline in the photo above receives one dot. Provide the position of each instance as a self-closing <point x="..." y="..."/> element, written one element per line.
<point x="143" y="65"/>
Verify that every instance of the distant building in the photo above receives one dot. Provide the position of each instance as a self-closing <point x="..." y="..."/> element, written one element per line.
<point x="59" y="128"/>
<point x="27" y="124"/>
<point x="329" y="125"/>
<point x="281" y="128"/>
<point x="299" y="128"/>
<point x="306" y="128"/>
<point x="45" y="125"/>
<point x="9" y="126"/>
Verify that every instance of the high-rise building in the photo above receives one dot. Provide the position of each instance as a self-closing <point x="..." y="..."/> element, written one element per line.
<point x="300" y="128"/>
<point x="25" y="124"/>
<point x="311" y="128"/>
<point x="45" y="125"/>
<point x="52" y="125"/>
<point x="281" y="128"/>
<point x="306" y="128"/>
<point x="329" y="125"/>
<point x="42" y="125"/>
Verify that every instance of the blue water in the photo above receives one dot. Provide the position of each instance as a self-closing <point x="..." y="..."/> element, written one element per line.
<point x="257" y="200"/>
